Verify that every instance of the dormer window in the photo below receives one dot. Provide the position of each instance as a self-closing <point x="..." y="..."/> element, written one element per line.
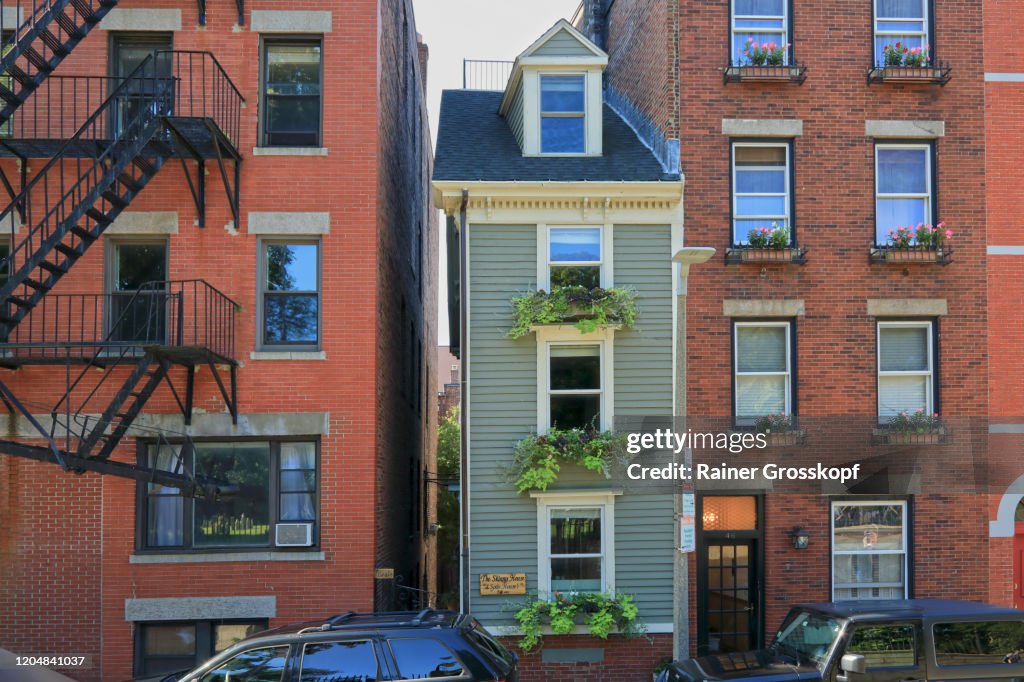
<point x="563" y="128"/>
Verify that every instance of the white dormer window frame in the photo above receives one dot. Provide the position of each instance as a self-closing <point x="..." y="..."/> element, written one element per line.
<point x="543" y="115"/>
<point x="521" y="103"/>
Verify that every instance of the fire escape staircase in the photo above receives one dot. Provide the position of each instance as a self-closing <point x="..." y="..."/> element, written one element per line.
<point x="174" y="105"/>
<point x="36" y="44"/>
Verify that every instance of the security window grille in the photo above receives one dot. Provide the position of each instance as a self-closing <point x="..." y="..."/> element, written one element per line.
<point x="574" y="256"/>
<point x="576" y="549"/>
<point x="292" y="88"/>
<point x="869" y="550"/>
<point x="290" y="295"/>
<point x="901" y="21"/>
<point x="574" y="386"/>
<point x="761" y="188"/>
<point x="903" y="188"/>
<point x="905" y="368"/>
<point x="761" y="22"/>
<point x="168" y="647"/>
<point x="762" y="360"/>
<point x="278" y="481"/>
<point x="563" y="114"/>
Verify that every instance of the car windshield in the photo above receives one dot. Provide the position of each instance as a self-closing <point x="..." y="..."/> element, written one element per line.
<point x="805" y="638"/>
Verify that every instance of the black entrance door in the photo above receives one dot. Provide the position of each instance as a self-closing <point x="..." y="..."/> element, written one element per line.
<point x="730" y="611"/>
<point x="729" y="574"/>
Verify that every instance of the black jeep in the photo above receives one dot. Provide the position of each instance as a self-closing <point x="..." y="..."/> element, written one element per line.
<point x="877" y="641"/>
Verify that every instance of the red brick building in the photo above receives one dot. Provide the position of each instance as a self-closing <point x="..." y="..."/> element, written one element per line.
<point x="1004" y="133"/>
<point x="828" y="143"/>
<point x="262" y="312"/>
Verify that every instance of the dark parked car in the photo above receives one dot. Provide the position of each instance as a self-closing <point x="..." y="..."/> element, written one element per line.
<point x="876" y="641"/>
<point x="364" y="647"/>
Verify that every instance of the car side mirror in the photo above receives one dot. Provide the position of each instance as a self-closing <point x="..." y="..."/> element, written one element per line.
<point x="853" y="663"/>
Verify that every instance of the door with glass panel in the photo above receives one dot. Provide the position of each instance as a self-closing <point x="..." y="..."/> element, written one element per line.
<point x="138" y="302"/>
<point x="730" y="567"/>
<point x="128" y="52"/>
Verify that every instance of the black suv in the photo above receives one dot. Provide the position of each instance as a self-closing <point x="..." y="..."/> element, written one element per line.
<point x="364" y="647"/>
<point x="913" y="640"/>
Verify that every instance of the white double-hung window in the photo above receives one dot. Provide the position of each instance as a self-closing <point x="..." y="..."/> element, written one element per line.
<point x="563" y="114"/>
<point x="901" y="21"/>
<point x="575" y="257"/>
<point x="761" y="188"/>
<point x="761" y="22"/>
<point x="576" y="542"/>
<point x="903" y="188"/>
<point x="763" y="369"/>
<point x="869" y="550"/>
<point x="906" y="368"/>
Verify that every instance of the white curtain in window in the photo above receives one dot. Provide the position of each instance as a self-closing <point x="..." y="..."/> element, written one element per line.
<point x="900" y="9"/>
<point x="761" y="349"/>
<point x="903" y="349"/>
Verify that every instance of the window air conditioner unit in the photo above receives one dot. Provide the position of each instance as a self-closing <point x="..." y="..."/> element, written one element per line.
<point x="293" y="534"/>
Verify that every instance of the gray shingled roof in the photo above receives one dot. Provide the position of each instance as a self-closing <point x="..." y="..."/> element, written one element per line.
<point x="474" y="143"/>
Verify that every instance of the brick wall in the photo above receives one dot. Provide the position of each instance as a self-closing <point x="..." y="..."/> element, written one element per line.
<point x="623" y="660"/>
<point x="834" y="218"/>
<point x="67" y="538"/>
<point x="1004" y="132"/>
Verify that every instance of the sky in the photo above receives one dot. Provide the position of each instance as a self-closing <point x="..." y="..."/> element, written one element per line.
<point x="475" y="29"/>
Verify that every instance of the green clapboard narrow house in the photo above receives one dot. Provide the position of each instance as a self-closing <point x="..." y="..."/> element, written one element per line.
<point x="554" y="199"/>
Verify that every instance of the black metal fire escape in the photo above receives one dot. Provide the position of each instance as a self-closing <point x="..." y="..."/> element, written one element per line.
<point x="36" y="39"/>
<point x="175" y="105"/>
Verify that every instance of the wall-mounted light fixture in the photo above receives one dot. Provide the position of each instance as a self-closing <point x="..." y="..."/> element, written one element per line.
<point x="800" y="538"/>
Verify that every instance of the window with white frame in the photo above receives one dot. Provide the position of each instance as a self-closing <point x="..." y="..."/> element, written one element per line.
<point x="563" y="117"/>
<point x="762" y="22"/>
<point x="761" y="188"/>
<point x="575" y="385"/>
<point x="576" y="542"/>
<point x="906" y="368"/>
<point x="763" y="366"/>
<point x="901" y="21"/>
<point x="869" y="550"/>
<point x="574" y="257"/>
<point x="903" y="188"/>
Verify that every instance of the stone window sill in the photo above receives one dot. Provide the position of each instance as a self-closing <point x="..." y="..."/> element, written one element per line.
<point x="215" y="557"/>
<point x="289" y="355"/>
<point x="289" y="151"/>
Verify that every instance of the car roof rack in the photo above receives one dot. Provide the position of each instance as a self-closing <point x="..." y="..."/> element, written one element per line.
<point x="330" y="623"/>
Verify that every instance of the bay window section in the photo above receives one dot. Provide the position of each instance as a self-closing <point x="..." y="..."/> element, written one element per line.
<point x="574" y="257"/>
<point x="575" y="386"/>
<point x="869" y="550"/>
<point x="905" y="368"/>
<point x="763" y="371"/>
<point x="903" y="189"/>
<point x="277" y="482"/>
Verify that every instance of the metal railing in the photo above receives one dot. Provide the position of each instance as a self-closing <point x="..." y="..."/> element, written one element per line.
<point x="485" y="74"/>
<point x="63" y="104"/>
<point x="176" y="314"/>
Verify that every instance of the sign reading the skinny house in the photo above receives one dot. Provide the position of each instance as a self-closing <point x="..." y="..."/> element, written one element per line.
<point x="502" y="583"/>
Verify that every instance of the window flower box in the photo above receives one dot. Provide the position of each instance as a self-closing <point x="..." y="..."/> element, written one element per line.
<point x="786" y="438"/>
<point x="750" y="254"/>
<point x="779" y="430"/>
<point x="919" y="428"/>
<point x="765" y="73"/>
<point x="930" y="75"/>
<point x="538" y="459"/>
<point x="587" y="309"/>
<point x="940" y="255"/>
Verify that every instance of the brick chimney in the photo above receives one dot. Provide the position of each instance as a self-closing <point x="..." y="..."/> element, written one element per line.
<point x="423" y="52"/>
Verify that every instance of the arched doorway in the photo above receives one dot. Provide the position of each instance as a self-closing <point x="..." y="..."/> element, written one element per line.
<point x="1018" y="556"/>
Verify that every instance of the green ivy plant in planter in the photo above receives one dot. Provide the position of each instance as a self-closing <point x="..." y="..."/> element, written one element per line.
<point x="538" y="459"/>
<point x="587" y="308"/>
<point x="603" y="614"/>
